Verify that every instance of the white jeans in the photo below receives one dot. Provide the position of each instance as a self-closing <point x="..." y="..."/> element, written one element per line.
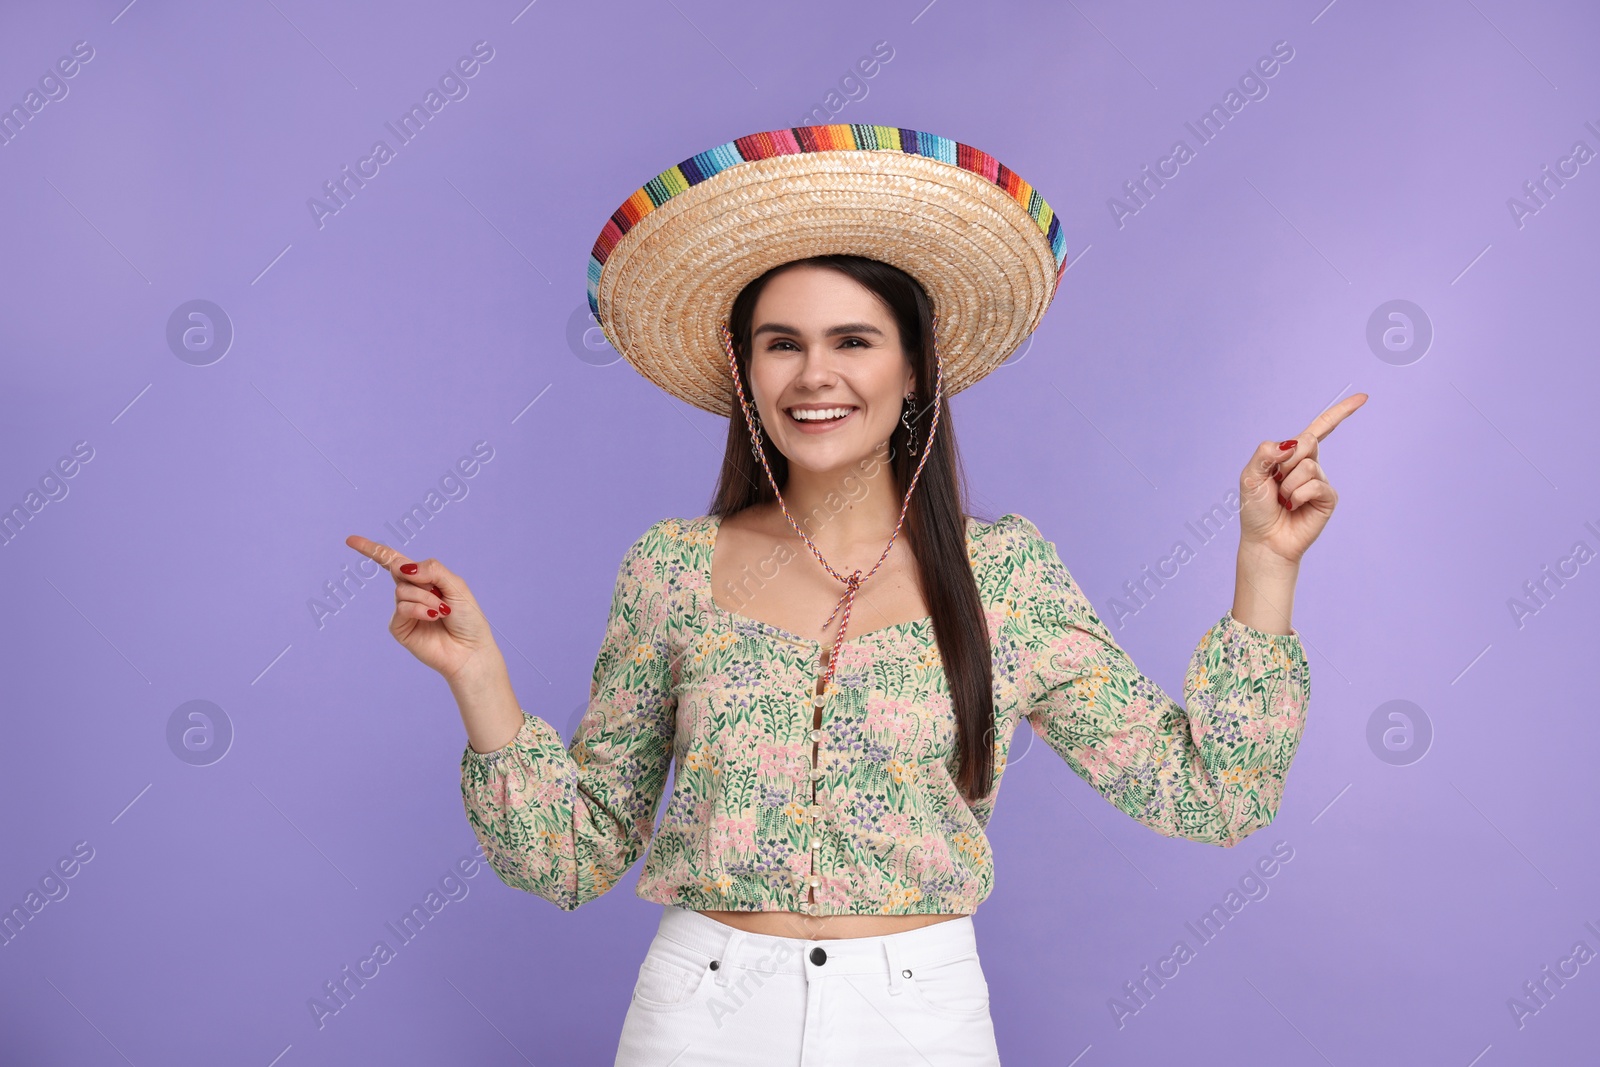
<point x="710" y="995"/>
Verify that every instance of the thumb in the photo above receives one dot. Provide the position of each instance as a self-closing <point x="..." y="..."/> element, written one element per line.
<point x="1257" y="477"/>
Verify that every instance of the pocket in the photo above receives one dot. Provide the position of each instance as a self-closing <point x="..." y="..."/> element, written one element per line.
<point x="952" y="987"/>
<point x="671" y="976"/>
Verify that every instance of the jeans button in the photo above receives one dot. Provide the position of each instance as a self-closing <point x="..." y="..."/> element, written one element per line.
<point x="818" y="956"/>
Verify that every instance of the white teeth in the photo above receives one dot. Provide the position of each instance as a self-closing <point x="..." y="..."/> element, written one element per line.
<point x="820" y="414"/>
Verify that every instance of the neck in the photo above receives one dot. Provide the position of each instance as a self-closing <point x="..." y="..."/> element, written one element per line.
<point x="845" y="512"/>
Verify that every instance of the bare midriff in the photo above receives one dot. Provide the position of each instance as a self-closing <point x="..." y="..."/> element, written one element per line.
<point x="820" y="927"/>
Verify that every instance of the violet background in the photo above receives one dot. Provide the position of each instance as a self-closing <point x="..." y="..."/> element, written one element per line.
<point x="430" y="313"/>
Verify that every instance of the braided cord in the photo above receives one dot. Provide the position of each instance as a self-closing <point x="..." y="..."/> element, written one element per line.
<point x="855" y="579"/>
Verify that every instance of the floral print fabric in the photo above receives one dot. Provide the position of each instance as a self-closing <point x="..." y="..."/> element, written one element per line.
<point x="727" y="699"/>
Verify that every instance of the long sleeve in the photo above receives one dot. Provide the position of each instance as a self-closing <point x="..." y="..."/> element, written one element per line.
<point x="1213" y="773"/>
<point x="566" y="824"/>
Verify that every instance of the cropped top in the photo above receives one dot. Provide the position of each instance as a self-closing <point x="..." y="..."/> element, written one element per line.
<point x="862" y="816"/>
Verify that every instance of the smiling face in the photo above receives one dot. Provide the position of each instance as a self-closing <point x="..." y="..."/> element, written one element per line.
<point x="827" y="369"/>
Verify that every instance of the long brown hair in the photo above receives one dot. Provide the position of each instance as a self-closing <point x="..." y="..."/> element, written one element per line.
<point x="936" y="520"/>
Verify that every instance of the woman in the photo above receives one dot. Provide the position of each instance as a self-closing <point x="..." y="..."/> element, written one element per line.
<point x="823" y="848"/>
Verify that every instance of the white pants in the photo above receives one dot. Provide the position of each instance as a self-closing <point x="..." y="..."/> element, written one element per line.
<point x="710" y="995"/>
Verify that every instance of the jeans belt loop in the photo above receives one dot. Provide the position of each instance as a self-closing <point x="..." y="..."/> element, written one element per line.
<point x="897" y="981"/>
<point x="730" y="952"/>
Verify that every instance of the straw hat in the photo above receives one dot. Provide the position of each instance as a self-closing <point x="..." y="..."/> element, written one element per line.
<point x="666" y="268"/>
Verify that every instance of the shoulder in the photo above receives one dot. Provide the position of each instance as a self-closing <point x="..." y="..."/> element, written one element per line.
<point x="1005" y="552"/>
<point x="673" y="538"/>
<point x="1010" y="534"/>
<point x="670" y="558"/>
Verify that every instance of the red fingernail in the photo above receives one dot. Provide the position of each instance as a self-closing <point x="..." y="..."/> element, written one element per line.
<point x="1284" y="446"/>
<point x="408" y="568"/>
<point x="432" y="613"/>
<point x="444" y="609"/>
<point x="1282" y="501"/>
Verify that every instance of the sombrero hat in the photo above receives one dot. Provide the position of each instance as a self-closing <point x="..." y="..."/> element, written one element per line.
<point x="666" y="268"/>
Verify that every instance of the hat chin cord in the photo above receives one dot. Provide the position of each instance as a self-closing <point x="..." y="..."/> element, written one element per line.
<point x="854" y="580"/>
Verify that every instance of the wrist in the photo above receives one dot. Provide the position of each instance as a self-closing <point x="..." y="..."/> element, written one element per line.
<point x="1257" y="558"/>
<point x="485" y="669"/>
<point x="1264" y="583"/>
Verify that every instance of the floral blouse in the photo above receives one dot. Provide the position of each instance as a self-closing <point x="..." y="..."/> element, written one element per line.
<point x="862" y="815"/>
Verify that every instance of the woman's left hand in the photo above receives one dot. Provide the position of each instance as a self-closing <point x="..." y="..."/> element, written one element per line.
<point x="1287" y="498"/>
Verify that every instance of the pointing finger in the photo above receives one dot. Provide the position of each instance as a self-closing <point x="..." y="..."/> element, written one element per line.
<point x="376" y="551"/>
<point x="1324" y="424"/>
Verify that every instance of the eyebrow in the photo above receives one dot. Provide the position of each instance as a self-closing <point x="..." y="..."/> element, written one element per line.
<point x="832" y="331"/>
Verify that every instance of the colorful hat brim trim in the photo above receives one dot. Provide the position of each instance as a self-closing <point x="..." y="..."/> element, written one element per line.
<point x="699" y="167"/>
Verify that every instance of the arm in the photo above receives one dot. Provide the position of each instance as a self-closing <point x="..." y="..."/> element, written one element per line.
<point x="563" y="823"/>
<point x="1213" y="773"/>
<point x="1263" y="590"/>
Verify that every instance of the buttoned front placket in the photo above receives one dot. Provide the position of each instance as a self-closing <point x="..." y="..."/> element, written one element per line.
<point x="814" y="809"/>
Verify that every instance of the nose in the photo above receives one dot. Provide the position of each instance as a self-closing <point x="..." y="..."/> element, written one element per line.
<point x="816" y="370"/>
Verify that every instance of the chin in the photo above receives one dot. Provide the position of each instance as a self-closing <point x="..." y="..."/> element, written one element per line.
<point x="831" y="458"/>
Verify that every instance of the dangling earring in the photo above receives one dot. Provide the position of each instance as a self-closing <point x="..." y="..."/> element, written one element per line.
<point x="905" y="420"/>
<point x="755" y="435"/>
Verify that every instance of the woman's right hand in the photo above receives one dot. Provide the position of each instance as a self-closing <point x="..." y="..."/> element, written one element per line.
<point x="436" y="617"/>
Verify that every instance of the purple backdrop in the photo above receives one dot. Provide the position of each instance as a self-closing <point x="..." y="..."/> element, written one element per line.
<point x="211" y="384"/>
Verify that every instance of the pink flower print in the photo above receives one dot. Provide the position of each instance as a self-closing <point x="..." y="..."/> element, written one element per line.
<point x="932" y="855"/>
<point x="898" y="824"/>
<point x="1074" y="646"/>
<point x="1094" y="762"/>
<point x="994" y="617"/>
<point x="545" y="793"/>
<point x="776" y="760"/>
<point x="895" y="717"/>
<point x="741" y="834"/>
<point x="1123" y="747"/>
<point x="853" y="659"/>
<point x="798" y="863"/>
<point x="834" y="892"/>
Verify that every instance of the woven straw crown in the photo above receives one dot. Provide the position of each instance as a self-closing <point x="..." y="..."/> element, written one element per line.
<point x="670" y="261"/>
